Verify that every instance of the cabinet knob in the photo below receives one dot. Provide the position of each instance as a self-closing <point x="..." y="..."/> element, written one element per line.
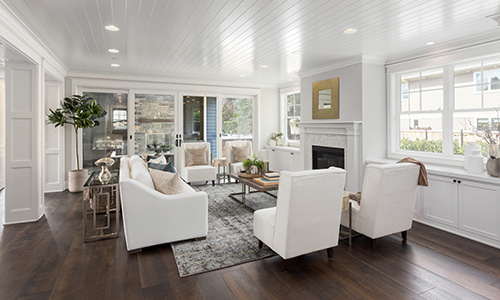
<point x="291" y="153"/>
<point x="459" y="181"/>
<point x="454" y="180"/>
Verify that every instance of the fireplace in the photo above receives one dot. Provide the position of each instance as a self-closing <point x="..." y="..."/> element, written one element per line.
<point x="325" y="157"/>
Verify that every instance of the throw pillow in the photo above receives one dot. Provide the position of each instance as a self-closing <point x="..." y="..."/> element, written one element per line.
<point x="196" y="157"/>
<point x="167" y="183"/>
<point x="157" y="160"/>
<point x="240" y="153"/>
<point x="140" y="173"/>
<point x="161" y="167"/>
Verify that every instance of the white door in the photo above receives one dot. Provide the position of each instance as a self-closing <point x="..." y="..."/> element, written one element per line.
<point x="2" y="134"/>
<point x="54" y="141"/>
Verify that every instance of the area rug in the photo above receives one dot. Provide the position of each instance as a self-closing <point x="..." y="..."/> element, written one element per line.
<point x="230" y="239"/>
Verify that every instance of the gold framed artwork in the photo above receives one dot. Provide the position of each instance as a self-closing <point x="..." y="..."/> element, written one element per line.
<point x="325" y="99"/>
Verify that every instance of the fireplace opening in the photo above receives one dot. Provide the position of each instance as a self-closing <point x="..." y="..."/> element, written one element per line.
<point x="325" y="157"/>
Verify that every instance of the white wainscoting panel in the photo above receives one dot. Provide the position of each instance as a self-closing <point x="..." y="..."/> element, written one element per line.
<point x="54" y="141"/>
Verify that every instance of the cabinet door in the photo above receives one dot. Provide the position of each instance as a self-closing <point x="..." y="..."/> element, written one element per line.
<point x="295" y="161"/>
<point x="479" y="211"/>
<point x="417" y="211"/>
<point x="440" y="200"/>
<point x="274" y="160"/>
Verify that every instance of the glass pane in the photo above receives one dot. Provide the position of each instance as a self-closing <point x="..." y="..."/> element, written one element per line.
<point x="421" y="132"/>
<point x="297" y="111"/>
<point x="297" y="99"/>
<point x="491" y="71"/>
<point x="290" y="111"/>
<point x="110" y="137"/>
<point x="492" y="99"/>
<point x="467" y="74"/>
<point x="432" y="100"/>
<point x="414" y="101"/>
<point x="495" y="79"/>
<point x="467" y="97"/>
<point x="432" y="79"/>
<point x="237" y="120"/>
<point x="154" y="124"/>
<point x="410" y="82"/>
<point x="289" y="99"/>
<point x="404" y="102"/>
<point x="194" y="124"/>
<point x="471" y="127"/>
<point x="293" y="130"/>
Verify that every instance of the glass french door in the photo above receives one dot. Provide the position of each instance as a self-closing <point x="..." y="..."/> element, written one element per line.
<point x="154" y="124"/>
<point x="199" y="120"/>
<point x="237" y="120"/>
<point x="110" y="137"/>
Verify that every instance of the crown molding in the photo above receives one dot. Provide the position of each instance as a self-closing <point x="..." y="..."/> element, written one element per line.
<point x="167" y="80"/>
<point x="342" y="64"/>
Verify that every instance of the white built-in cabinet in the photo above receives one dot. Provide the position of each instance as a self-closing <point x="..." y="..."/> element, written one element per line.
<point x="463" y="205"/>
<point x="283" y="158"/>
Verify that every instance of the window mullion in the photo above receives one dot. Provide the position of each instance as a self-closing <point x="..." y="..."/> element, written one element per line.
<point x="448" y="96"/>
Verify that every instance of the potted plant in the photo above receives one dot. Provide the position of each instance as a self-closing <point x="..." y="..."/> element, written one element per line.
<point x="253" y="165"/>
<point x="80" y="112"/>
<point x="276" y="139"/>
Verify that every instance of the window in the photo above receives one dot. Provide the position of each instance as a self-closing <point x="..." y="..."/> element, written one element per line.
<point x="441" y="109"/>
<point x="292" y="116"/>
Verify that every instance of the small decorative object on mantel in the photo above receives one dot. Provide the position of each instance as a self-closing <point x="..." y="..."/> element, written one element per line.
<point x="325" y="99"/>
<point x="104" y="163"/>
<point x="253" y="166"/>
<point x="276" y="139"/>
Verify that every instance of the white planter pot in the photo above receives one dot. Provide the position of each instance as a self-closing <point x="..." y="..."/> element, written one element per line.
<point x="76" y="180"/>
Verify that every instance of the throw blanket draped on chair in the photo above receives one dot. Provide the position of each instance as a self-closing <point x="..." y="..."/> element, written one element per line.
<point x="422" y="177"/>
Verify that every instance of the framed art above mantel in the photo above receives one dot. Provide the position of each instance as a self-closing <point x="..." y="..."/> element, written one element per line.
<point x="325" y="99"/>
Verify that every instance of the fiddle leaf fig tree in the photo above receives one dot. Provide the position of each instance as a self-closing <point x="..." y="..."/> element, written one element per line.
<point x="78" y="111"/>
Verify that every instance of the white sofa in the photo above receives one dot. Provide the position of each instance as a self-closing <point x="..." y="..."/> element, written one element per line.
<point x="152" y="218"/>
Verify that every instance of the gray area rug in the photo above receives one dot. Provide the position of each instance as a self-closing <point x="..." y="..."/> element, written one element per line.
<point x="230" y="239"/>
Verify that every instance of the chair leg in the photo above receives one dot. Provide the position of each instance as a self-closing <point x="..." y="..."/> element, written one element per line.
<point x="404" y="235"/>
<point x="285" y="265"/>
<point x="372" y="243"/>
<point x="260" y="244"/>
<point x="329" y="251"/>
<point x="135" y="251"/>
<point x="213" y="182"/>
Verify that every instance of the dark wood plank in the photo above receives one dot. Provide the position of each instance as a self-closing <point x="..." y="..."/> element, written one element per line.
<point x="241" y="285"/>
<point x="213" y="286"/>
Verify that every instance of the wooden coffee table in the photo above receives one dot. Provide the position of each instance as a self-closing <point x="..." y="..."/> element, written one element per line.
<point x="245" y="181"/>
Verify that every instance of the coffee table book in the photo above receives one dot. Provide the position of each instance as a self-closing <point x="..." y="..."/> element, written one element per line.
<point x="265" y="182"/>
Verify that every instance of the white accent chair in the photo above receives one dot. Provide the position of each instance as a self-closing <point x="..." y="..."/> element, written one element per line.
<point x="387" y="201"/>
<point x="235" y="166"/>
<point x="200" y="172"/>
<point x="152" y="218"/>
<point x="307" y="213"/>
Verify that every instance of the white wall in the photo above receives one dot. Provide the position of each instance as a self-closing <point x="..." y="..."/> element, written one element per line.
<point x="350" y="93"/>
<point x="2" y="133"/>
<point x="268" y="115"/>
<point x="374" y="111"/>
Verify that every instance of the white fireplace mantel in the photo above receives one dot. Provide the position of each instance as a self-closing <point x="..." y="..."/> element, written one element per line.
<point x="346" y="135"/>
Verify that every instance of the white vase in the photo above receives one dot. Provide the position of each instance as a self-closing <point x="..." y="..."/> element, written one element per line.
<point x="76" y="180"/>
<point x="272" y="143"/>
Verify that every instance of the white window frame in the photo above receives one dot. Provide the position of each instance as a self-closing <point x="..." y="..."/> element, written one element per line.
<point x="284" y="113"/>
<point x="394" y="95"/>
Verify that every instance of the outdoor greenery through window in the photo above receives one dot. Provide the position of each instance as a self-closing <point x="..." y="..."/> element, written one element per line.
<point x="237" y="120"/>
<point x="293" y="116"/>
<point x="429" y="121"/>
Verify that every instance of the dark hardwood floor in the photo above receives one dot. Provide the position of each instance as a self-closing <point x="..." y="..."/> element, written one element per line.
<point x="48" y="260"/>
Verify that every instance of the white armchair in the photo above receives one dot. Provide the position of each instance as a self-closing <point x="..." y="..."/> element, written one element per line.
<point x="387" y="201"/>
<point x="307" y="214"/>
<point x="196" y="163"/>
<point x="236" y="163"/>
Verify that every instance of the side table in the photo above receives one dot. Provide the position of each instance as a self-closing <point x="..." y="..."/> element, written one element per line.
<point x="101" y="204"/>
<point x="221" y="163"/>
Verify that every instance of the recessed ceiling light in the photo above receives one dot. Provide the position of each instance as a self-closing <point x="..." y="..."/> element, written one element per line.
<point x="111" y="28"/>
<point x="115" y="65"/>
<point x="290" y="79"/>
<point x="264" y="66"/>
<point x="297" y="52"/>
<point x="113" y="50"/>
<point x="429" y="43"/>
<point x="350" y="30"/>
<point x="242" y="75"/>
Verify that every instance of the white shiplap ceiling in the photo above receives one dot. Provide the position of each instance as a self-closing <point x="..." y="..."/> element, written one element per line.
<point x="228" y="40"/>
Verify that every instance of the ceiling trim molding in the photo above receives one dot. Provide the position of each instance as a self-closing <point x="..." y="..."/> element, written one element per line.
<point x="166" y="80"/>
<point x="20" y="37"/>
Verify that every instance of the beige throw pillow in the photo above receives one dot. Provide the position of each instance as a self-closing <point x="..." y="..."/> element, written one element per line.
<point x="167" y="183"/>
<point x="240" y="153"/>
<point x="196" y="157"/>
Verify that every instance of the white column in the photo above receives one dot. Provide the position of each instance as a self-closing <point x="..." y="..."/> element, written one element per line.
<point x="54" y="141"/>
<point x="23" y="188"/>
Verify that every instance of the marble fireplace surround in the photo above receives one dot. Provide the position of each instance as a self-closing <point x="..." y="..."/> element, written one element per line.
<point x="344" y="135"/>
